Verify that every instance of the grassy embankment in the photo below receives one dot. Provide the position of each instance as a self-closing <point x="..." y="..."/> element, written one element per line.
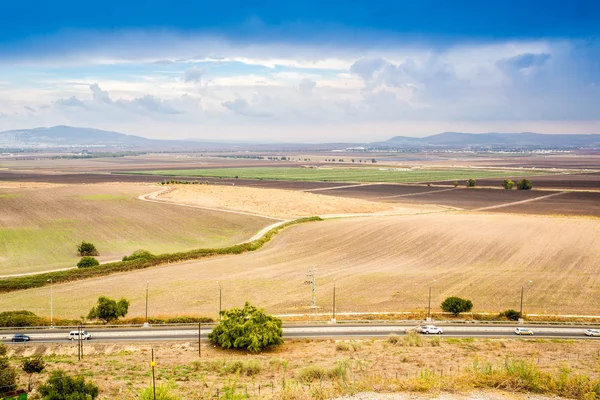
<point x="33" y="281"/>
<point x="340" y="174"/>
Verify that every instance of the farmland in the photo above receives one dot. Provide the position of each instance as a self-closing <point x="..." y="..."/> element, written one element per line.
<point x="335" y="174"/>
<point x="40" y="226"/>
<point x="384" y="263"/>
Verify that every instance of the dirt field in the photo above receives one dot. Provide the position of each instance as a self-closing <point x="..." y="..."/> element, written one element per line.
<point x="41" y="226"/>
<point x="575" y="203"/>
<point x="380" y="264"/>
<point x="589" y="181"/>
<point x="279" y="203"/>
<point x="375" y="365"/>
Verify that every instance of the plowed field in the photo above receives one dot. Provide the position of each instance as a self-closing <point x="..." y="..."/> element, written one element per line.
<point x="380" y="264"/>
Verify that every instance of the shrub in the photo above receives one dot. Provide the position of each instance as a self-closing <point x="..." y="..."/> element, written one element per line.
<point x="139" y="254"/>
<point x="310" y="374"/>
<point x="8" y="374"/>
<point x="524" y="184"/>
<point x="87" y="249"/>
<point x="342" y="346"/>
<point x="61" y="386"/>
<point x="108" y="309"/>
<point x="393" y="338"/>
<point x="510" y="314"/>
<point x="508" y="184"/>
<point x="471" y="182"/>
<point x="413" y="339"/>
<point x="32" y="365"/>
<point x="163" y="392"/>
<point x="456" y="305"/>
<point x="87" y="262"/>
<point x="455" y="183"/>
<point x="435" y="341"/>
<point x="247" y="328"/>
<point x="19" y="319"/>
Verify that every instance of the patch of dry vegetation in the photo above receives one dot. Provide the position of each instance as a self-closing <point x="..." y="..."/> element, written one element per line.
<point x="279" y="203"/>
<point x="309" y="369"/>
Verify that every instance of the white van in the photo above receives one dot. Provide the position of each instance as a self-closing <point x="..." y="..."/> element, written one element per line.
<point x="74" y="335"/>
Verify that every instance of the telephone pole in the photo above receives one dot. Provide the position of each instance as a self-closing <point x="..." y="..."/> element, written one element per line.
<point x="312" y="281"/>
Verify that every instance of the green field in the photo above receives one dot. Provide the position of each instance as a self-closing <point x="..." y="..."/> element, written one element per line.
<point x="367" y="174"/>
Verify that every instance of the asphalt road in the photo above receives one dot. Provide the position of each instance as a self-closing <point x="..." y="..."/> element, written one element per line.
<point x="164" y="334"/>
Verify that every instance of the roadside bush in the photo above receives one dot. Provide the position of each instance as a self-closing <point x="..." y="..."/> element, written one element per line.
<point x="524" y="184"/>
<point x="456" y="305"/>
<point x="87" y="249"/>
<point x="62" y="386"/>
<point x="32" y="365"/>
<point x="87" y="262"/>
<point x="247" y="328"/>
<point x="393" y="338"/>
<point x="8" y="374"/>
<point x="163" y="392"/>
<point x="108" y="309"/>
<point x="471" y="182"/>
<point x="508" y="184"/>
<point x="413" y="339"/>
<point x="510" y="314"/>
<point x="19" y="319"/>
<point x="342" y="346"/>
<point x="139" y="254"/>
<point x="310" y="374"/>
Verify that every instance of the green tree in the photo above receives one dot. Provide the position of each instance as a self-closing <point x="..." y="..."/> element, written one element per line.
<point x="508" y="184"/>
<point x="456" y="305"/>
<point x="87" y="249"/>
<point x="455" y="183"/>
<point x="87" y="262"/>
<point x="471" y="182"/>
<point x="524" y="184"/>
<point x="61" y="386"/>
<point x="108" y="309"/>
<point x="510" y="314"/>
<point x="32" y="365"/>
<point x="143" y="254"/>
<point x="19" y="318"/>
<point x="248" y="328"/>
<point x="8" y="374"/>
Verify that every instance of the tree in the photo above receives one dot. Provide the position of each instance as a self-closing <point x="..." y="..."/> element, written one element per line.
<point x="456" y="305"/>
<point x="87" y="249"/>
<point x="87" y="262"/>
<point x="143" y="254"/>
<point x="374" y="161"/>
<point x="108" y="309"/>
<point x="524" y="184"/>
<point x="248" y="328"/>
<point x="471" y="182"/>
<point x="32" y="365"/>
<point x="455" y="183"/>
<point x="61" y="386"/>
<point x="8" y="374"/>
<point x="508" y="184"/>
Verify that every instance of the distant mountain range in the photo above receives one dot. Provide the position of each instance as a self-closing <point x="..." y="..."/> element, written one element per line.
<point x="67" y="136"/>
<point x="465" y="140"/>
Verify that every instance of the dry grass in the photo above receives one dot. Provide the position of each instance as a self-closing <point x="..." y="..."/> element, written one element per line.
<point x="40" y="225"/>
<point x="380" y="264"/>
<point x="306" y="369"/>
<point x="280" y="203"/>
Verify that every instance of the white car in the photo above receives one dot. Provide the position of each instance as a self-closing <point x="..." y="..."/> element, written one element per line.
<point x="523" y="331"/>
<point x="74" y="335"/>
<point x="592" y="332"/>
<point x="431" y="329"/>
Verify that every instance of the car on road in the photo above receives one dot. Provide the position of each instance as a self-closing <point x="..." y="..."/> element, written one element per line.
<point x="523" y="331"/>
<point x="19" y="337"/>
<point x="592" y="332"/>
<point x="74" y="335"/>
<point x="431" y="329"/>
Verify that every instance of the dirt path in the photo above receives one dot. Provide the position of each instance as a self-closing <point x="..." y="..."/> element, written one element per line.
<point x="340" y="187"/>
<point x="412" y="194"/>
<point x="518" y="202"/>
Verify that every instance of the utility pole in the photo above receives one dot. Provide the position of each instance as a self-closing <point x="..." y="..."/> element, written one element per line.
<point x="521" y="319"/>
<point x="51" y="316"/>
<point x="199" y="339"/>
<point x="146" y="324"/>
<point x="153" y="377"/>
<point x="220" y="300"/>
<point x="333" y="320"/>
<point x="429" y="305"/>
<point x="313" y="282"/>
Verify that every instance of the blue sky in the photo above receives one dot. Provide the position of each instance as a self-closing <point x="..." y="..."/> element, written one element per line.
<point x="305" y="71"/>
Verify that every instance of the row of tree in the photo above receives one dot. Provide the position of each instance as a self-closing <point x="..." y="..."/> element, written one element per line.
<point x="523" y="184"/>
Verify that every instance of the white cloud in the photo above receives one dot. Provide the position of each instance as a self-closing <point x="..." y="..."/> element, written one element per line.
<point x="71" y="102"/>
<point x="242" y="107"/>
<point x="194" y="74"/>
<point x="306" y="87"/>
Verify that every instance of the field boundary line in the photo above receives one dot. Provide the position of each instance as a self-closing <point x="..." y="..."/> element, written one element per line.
<point x="518" y="202"/>
<point x="341" y="187"/>
<point x="412" y="194"/>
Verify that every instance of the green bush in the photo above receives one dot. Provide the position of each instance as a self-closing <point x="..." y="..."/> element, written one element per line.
<point x="508" y="184"/>
<point x="310" y="374"/>
<point x="524" y="184"/>
<point x="39" y="280"/>
<point x="247" y="328"/>
<point x="456" y="305"/>
<point x="471" y="182"/>
<point x="163" y="392"/>
<point x="8" y="374"/>
<point x="32" y="365"/>
<point x="510" y="314"/>
<point x="61" y="386"/>
<point x="87" y="262"/>
<point x="19" y="319"/>
<point x="87" y="249"/>
<point x="136" y="255"/>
